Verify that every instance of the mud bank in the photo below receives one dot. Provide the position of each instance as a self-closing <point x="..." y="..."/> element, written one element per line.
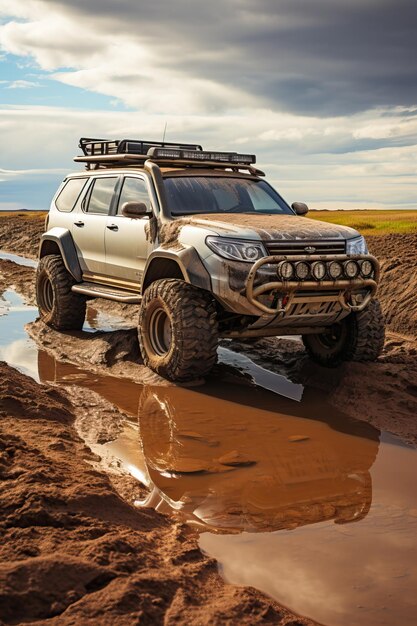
<point x="73" y="551"/>
<point x="73" y="548"/>
<point x="20" y="233"/>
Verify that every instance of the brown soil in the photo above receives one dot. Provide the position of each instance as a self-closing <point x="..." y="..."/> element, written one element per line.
<point x="397" y="291"/>
<point x="20" y="233"/>
<point x="73" y="552"/>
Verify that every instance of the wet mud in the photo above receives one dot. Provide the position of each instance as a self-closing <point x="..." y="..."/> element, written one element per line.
<point x="279" y="479"/>
<point x="298" y="481"/>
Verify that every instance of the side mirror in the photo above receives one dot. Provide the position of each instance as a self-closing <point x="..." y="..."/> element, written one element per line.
<point x="134" y="209"/>
<point x="300" y="208"/>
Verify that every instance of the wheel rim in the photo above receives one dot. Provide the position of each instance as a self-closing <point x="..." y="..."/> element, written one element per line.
<point x="160" y="332"/>
<point x="46" y="294"/>
<point x="334" y="337"/>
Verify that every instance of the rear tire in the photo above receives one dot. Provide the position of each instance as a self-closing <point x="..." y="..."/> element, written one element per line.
<point x="358" y="337"/>
<point x="59" y="307"/>
<point x="178" y="333"/>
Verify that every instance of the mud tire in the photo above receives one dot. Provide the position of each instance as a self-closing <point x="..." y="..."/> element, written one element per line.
<point x="59" y="307"/>
<point x="360" y="337"/>
<point x="193" y="340"/>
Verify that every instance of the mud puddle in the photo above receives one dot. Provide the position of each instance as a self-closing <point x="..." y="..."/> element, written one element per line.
<point x="20" y="260"/>
<point x="292" y="497"/>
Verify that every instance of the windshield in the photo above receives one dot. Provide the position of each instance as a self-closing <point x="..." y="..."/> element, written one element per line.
<point x="209" y="194"/>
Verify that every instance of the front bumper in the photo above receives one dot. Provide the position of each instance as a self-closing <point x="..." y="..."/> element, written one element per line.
<point x="352" y="294"/>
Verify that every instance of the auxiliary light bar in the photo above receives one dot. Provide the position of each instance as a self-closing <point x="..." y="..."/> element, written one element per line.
<point x="202" y="155"/>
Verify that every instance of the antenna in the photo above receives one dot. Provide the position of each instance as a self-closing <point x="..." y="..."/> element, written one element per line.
<point x="165" y="130"/>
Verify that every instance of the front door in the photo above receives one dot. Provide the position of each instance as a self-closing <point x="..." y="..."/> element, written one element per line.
<point x="89" y="225"/>
<point x="127" y="246"/>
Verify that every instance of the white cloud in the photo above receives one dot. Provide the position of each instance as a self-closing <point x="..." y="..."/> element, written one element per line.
<point x="160" y="66"/>
<point x="22" y="84"/>
<point x="369" y="178"/>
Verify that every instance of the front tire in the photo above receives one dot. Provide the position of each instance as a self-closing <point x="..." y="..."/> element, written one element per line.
<point x="178" y="333"/>
<point x="58" y="306"/>
<point x="358" y="337"/>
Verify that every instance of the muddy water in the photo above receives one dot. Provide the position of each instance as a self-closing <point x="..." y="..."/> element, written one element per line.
<point x="289" y="495"/>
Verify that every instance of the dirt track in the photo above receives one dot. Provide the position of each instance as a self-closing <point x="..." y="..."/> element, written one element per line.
<point x="98" y="560"/>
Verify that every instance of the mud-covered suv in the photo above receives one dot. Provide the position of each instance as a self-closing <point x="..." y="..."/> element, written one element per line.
<point x="209" y="250"/>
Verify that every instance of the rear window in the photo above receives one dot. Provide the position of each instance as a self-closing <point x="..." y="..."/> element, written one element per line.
<point x="69" y="194"/>
<point x="209" y="194"/>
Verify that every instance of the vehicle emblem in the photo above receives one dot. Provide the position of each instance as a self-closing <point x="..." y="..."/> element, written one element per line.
<point x="310" y="249"/>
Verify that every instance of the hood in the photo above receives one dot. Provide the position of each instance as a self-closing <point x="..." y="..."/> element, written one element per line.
<point x="275" y="227"/>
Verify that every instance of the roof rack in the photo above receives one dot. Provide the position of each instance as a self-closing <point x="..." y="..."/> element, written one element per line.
<point x="132" y="152"/>
<point x="92" y="147"/>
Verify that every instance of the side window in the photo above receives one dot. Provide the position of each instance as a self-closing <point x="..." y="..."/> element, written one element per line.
<point x="69" y="194"/>
<point x="101" y="195"/>
<point x="133" y="190"/>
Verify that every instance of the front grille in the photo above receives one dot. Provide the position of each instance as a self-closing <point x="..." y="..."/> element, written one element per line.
<point x="290" y="247"/>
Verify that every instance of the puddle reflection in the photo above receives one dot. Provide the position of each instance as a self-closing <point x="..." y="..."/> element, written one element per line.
<point x="297" y="499"/>
<point x="237" y="458"/>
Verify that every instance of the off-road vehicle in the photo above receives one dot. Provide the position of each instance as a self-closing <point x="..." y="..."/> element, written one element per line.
<point x="209" y="250"/>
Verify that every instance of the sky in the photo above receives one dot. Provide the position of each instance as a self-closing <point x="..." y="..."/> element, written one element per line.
<point x="324" y="92"/>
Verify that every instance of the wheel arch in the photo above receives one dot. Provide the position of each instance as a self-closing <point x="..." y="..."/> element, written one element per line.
<point x="60" y="241"/>
<point x="185" y="265"/>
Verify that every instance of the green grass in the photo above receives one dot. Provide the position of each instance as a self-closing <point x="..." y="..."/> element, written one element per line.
<point x="371" y="222"/>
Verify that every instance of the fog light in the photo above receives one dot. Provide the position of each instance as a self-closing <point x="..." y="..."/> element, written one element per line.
<point x="351" y="269"/>
<point x="366" y="268"/>
<point x="318" y="269"/>
<point x="302" y="270"/>
<point x="335" y="270"/>
<point x="285" y="270"/>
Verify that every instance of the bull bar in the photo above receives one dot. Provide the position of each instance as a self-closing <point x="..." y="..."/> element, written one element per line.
<point x="289" y="288"/>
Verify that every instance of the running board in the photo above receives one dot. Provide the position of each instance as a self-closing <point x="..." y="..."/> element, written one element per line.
<point x="110" y="293"/>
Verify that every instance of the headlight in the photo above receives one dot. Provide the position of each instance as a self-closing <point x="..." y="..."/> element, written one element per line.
<point x="351" y="269"/>
<point x="285" y="270"/>
<point x="356" y="246"/>
<point x="335" y="270"/>
<point x="318" y="269"/>
<point x="238" y="250"/>
<point x="302" y="270"/>
<point x="366" y="268"/>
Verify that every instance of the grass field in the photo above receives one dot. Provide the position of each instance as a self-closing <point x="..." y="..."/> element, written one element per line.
<point x="366" y="222"/>
<point x="30" y="215"/>
<point x="371" y="222"/>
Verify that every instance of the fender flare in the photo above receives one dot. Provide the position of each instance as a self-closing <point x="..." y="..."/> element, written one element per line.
<point x="188" y="261"/>
<point x="63" y="239"/>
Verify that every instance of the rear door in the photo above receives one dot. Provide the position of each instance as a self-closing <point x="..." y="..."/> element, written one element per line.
<point x="89" y="225"/>
<point x="127" y="246"/>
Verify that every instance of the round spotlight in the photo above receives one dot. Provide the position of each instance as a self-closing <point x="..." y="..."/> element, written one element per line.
<point x="302" y="270"/>
<point x="351" y="269"/>
<point x="366" y="268"/>
<point x="318" y="269"/>
<point x="335" y="270"/>
<point x="285" y="270"/>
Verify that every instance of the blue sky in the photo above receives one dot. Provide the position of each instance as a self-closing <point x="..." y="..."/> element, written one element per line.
<point x="324" y="92"/>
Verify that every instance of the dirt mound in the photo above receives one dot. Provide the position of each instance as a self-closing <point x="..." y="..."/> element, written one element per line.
<point x="72" y="551"/>
<point x="397" y="291"/>
<point x="18" y="277"/>
<point x="20" y="233"/>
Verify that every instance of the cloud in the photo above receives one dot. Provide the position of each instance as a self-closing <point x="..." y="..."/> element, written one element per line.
<point x="324" y="92"/>
<point x="324" y="58"/>
<point x="22" y="84"/>
<point x="339" y="162"/>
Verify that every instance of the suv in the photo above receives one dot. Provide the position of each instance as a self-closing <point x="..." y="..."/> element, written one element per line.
<point x="209" y="250"/>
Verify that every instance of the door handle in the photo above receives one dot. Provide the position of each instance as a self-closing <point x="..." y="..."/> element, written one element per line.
<point x="112" y="227"/>
<point x="79" y="223"/>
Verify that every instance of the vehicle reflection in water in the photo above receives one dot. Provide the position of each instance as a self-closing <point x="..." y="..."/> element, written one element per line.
<point x="235" y="458"/>
<point x="278" y="485"/>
